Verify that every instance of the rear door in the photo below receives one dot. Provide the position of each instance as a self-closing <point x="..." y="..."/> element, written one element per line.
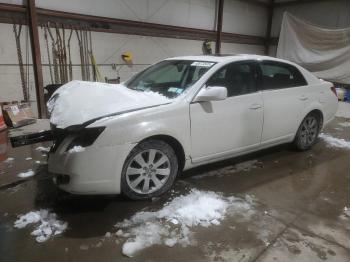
<point x="219" y="128"/>
<point x="284" y="95"/>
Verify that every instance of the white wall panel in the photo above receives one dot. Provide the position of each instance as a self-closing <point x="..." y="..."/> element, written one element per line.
<point x="188" y="13"/>
<point x="244" y="18"/>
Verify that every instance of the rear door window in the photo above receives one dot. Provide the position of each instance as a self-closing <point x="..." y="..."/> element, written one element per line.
<point x="278" y="75"/>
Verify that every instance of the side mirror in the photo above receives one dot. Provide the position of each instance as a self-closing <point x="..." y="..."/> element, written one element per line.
<point x="211" y="93"/>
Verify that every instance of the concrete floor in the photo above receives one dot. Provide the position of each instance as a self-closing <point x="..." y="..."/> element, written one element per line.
<point x="299" y="203"/>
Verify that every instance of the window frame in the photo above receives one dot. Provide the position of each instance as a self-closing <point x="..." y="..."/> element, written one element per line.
<point x="293" y="69"/>
<point x="255" y="67"/>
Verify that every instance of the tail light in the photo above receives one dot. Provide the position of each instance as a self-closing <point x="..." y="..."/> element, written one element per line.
<point x="334" y="91"/>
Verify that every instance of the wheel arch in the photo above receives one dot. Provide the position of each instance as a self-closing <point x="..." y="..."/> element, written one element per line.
<point x="313" y="109"/>
<point x="316" y="111"/>
<point x="174" y="143"/>
<point x="319" y="114"/>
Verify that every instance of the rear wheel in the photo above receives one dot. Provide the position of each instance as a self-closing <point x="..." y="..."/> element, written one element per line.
<point x="308" y="132"/>
<point x="149" y="170"/>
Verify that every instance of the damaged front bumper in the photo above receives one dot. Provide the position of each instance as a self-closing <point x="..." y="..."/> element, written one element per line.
<point x="94" y="169"/>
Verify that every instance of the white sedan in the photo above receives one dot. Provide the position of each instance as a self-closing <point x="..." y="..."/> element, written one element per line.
<point x="136" y="137"/>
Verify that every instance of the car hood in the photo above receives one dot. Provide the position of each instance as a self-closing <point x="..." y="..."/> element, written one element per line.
<point x="79" y="101"/>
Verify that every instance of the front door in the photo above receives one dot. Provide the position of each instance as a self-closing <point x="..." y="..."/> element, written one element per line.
<point x="220" y="128"/>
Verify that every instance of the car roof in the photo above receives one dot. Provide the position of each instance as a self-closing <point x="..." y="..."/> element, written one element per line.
<point x="227" y="57"/>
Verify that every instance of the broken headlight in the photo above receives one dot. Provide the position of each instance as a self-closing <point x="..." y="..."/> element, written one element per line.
<point x="85" y="137"/>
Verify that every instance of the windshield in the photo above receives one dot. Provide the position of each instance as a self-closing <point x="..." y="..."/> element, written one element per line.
<point x="169" y="78"/>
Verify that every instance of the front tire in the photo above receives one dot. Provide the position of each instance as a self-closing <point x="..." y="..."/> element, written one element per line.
<point x="308" y="132"/>
<point x="149" y="170"/>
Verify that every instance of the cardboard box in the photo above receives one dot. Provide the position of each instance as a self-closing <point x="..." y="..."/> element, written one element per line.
<point x="18" y="114"/>
<point x="2" y="121"/>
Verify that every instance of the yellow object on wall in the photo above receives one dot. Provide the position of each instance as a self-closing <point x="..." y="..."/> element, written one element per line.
<point x="127" y="56"/>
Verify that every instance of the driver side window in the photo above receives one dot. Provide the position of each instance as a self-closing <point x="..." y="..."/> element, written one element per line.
<point x="238" y="78"/>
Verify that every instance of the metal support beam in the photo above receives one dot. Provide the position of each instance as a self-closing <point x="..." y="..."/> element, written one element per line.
<point x="122" y="26"/>
<point x="36" y="55"/>
<point x="219" y="16"/>
<point x="296" y="2"/>
<point x="269" y="26"/>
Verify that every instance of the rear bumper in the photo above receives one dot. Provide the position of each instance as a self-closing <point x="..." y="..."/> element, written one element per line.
<point x="96" y="170"/>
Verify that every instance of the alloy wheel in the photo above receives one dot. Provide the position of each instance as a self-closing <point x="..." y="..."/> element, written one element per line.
<point x="309" y="130"/>
<point x="148" y="171"/>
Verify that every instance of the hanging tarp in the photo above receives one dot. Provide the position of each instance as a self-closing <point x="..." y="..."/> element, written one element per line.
<point x="323" y="51"/>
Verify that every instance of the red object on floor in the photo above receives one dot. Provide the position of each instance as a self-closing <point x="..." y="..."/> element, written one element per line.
<point x="2" y="121"/>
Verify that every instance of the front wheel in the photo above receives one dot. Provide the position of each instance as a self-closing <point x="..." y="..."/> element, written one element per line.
<point x="149" y="170"/>
<point x="307" y="133"/>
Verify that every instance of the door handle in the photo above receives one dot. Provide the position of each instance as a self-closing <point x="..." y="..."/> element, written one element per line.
<point x="255" y="106"/>
<point x="303" y="98"/>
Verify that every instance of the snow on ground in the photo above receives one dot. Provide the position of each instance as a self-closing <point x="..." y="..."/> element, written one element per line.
<point x="76" y="149"/>
<point x="335" y="142"/>
<point x="343" y="110"/>
<point x="345" y="215"/>
<point x="42" y="149"/>
<point x="29" y="173"/>
<point x="345" y="124"/>
<point x="172" y="224"/>
<point x="28" y="158"/>
<point x="243" y="166"/>
<point x="9" y="159"/>
<point x="47" y="224"/>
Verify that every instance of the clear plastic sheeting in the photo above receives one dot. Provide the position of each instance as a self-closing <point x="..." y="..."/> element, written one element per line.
<point x="323" y="51"/>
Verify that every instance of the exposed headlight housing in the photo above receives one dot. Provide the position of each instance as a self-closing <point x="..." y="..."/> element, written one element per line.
<point x="85" y="137"/>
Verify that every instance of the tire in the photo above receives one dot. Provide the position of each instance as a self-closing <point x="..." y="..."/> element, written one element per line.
<point x="143" y="178"/>
<point x="308" y="132"/>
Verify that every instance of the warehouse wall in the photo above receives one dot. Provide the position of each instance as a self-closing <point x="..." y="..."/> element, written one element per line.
<point x="332" y="14"/>
<point x="147" y="50"/>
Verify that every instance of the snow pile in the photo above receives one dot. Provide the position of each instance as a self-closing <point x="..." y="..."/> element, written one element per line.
<point x="345" y="124"/>
<point x="48" y="225"/>
<point x="346" y="211"/>
<point x="96" y="100"/>
<point x="28" y="158"/>
<point x="345" y="215"/>
<point x="335" y="142"/>
<point x="29" y="173"/>
<point x="76" y="149"/>
<point x="240" y="167"/>
<point x="42" y="149"/>
<point x="9" y="159"/>
<point x="172" y="224"/>
<point x="343" y="110"/>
